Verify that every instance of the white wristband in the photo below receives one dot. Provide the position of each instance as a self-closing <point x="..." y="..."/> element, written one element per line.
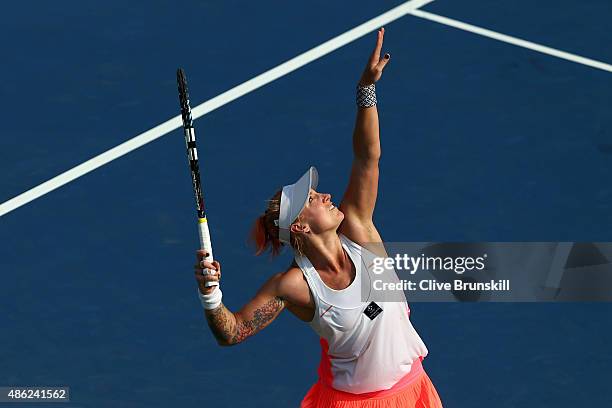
<point x="212" y="300"/>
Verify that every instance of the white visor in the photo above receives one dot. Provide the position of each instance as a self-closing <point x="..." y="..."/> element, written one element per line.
<point x="293" y="199"/>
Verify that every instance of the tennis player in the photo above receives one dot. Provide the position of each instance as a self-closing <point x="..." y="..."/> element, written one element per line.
<point x="371" y="354"/>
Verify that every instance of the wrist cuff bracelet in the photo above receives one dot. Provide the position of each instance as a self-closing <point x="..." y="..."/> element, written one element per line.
<point x="366" y="96"/>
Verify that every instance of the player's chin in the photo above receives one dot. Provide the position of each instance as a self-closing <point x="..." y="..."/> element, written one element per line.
<point x="338" y="214"/>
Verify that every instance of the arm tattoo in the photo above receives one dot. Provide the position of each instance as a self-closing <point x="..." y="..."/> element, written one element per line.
<point x="226" y="330"/>
<point x="221" y="322"/>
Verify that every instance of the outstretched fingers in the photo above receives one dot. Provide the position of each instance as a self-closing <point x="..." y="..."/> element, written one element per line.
<point x="375" y="57"/>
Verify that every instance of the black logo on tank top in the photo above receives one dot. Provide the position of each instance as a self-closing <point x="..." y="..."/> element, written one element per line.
<point x="372" y="310"/>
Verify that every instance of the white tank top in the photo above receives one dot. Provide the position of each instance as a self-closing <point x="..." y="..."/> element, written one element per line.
<point x="362" y="350"/>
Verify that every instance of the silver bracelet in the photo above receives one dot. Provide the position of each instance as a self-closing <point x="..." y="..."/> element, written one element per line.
<point x="366" y="96"/>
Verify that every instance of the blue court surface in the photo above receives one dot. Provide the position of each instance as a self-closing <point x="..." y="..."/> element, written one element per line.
<point x="482" y="141"/>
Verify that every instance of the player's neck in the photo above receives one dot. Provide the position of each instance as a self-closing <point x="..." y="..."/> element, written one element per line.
<point x="326" y="254"/>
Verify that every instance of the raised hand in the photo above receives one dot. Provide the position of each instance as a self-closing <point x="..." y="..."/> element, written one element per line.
<point x="376" y="64"/>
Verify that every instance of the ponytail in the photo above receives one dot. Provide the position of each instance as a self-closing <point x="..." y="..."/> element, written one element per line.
<point x="265" y="233"/>
<point x="263" y="240"/>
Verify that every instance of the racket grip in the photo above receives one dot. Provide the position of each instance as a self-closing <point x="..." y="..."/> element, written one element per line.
<point x="205" y="244"/>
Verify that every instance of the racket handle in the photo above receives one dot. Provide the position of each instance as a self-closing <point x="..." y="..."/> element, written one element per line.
<point x="205" y="244"/>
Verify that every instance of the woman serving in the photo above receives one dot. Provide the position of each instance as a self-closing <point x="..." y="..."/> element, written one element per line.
<point x="371" y="354"/>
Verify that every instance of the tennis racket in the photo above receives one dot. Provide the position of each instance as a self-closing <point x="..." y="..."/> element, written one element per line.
<point x="194" y="167"/>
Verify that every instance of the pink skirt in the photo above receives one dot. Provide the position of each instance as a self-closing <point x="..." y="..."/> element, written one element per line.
<point x="414" y="391"/>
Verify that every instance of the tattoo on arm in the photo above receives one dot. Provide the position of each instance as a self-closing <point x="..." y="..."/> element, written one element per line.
<point x="227" y="330"/>
<point x="221" y="322"/>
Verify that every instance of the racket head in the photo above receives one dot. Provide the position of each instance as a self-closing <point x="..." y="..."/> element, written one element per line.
<point x="183" y="91"/>
<point x="190" y="141"/>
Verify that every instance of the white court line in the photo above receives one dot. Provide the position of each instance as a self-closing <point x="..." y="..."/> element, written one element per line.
<point x="512" y="40"/>
<point x="409" y="7"/>
<point x="212" y="104"/>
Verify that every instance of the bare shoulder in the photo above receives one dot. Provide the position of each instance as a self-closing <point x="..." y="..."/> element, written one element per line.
<point x="292" y="287"/>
